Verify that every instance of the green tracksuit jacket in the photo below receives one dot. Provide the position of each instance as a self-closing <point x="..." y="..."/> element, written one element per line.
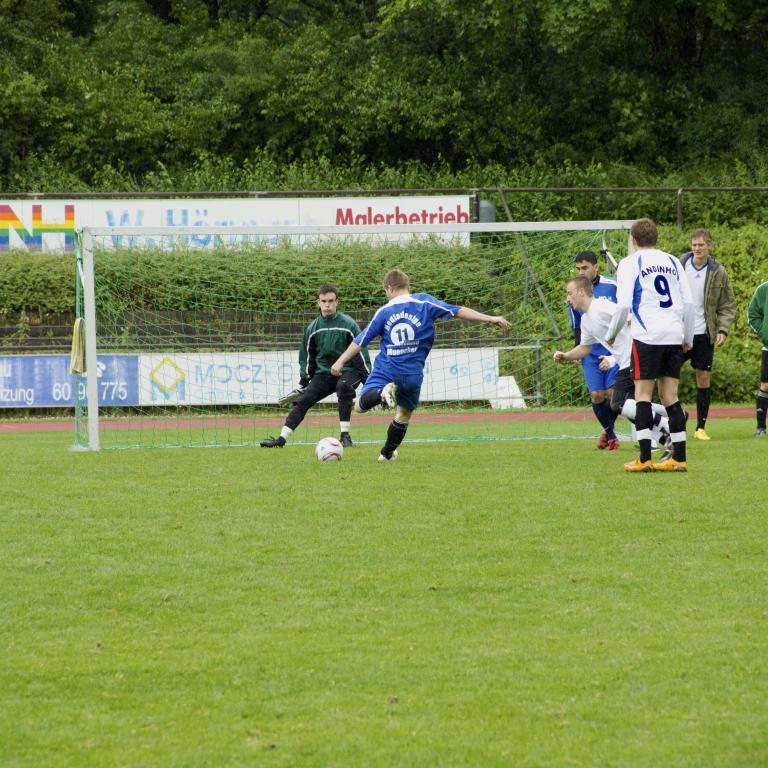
<point x="757" y="312"/>
<point x="325" y="338"/>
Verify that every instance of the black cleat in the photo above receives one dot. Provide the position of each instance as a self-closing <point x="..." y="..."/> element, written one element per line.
<point x="346" y="440"/>
<point x="273" y="442"/>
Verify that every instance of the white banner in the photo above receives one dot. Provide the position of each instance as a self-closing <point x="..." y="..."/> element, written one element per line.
<point x="264" y="377"/>
<point x="50" y="225"/>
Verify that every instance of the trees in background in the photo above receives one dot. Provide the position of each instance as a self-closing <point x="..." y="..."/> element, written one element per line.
<point x="100" y="93"/>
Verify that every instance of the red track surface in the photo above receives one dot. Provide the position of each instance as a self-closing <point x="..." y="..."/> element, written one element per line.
<point x="68" y="425"/>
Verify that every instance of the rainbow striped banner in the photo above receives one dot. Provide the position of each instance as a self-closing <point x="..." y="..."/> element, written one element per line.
<point x="33" y="238"/>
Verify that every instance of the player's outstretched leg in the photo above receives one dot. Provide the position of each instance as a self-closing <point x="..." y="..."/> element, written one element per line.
<point x="369" y="399"/>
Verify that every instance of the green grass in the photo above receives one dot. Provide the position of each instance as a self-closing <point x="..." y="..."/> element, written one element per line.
<point x="483" y="604"/>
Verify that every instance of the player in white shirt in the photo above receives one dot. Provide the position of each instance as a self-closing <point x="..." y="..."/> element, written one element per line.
<point x="597" y="314"/>
<point x="654" y="289"/>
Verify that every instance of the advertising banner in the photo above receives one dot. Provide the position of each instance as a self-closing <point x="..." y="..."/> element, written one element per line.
<point x="44" y="381"/>
<point x="263" y="377"/>
<point x="51" y="225"/>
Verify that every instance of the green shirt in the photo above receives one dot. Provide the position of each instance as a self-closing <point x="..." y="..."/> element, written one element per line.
<point x="325" y="339"/>
<point x="757" y="313"/>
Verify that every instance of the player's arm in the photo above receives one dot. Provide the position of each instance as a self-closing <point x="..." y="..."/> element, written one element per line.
<point x="607" y="362"/>
<point x="306" y="358"/>
<point x="352" y="350"/>
<point x="726" y="310"/>
<point x="625" y="280"/>
<point x="689" y="311"/>
<point x="465" y="313"/>
<point x="311" y="369"/>
<point x="361" y="363"/>
<point x="579" y="351"/>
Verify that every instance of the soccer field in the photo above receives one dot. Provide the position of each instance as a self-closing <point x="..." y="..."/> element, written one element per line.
<point x="487" y="604"/>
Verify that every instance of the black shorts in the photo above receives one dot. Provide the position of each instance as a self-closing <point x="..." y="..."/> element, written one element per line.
<point x="324" y="384"/>
<point x="652" y="361"/>
<point x="764" y="366"/>
<point x="623" y="389"/>
<point x="701" y="353"/>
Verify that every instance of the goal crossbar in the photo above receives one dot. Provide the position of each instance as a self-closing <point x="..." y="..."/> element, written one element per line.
<point x="395" y="229"/>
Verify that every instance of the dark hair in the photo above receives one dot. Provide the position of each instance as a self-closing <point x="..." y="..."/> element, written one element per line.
<point x="645" y="233"/>
<point x="582" y="282"/>
<point x="328" y="288"/>
<point x="589" y="256"/>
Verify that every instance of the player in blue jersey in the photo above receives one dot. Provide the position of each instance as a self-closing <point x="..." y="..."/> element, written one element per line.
<point x="654" y="288"/>
<point x="406" y="325"/>
<point x="599" y="382"/>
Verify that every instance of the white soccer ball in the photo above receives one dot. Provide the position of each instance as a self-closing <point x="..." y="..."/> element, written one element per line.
<point x="329" y="449"/>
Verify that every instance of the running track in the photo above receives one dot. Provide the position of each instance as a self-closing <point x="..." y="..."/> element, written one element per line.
<point x="68" y="425"/>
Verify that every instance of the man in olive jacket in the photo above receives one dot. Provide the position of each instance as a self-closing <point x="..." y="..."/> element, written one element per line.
<point x="715" y="311"/>
<point x="757" y="317"/>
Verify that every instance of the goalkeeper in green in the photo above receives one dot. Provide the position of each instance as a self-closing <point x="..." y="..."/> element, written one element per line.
<point x="325" y="339"/>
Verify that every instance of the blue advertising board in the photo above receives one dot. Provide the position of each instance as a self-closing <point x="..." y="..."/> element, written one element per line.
<point x="44" y="381"/>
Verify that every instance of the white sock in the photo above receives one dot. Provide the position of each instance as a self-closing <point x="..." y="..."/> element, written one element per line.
<point x="286" y="432"/>
<point x="629" y="409"/>
<point x="344" y="426"/>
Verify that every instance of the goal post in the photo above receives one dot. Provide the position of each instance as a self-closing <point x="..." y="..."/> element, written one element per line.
<point x="192" y="334"/>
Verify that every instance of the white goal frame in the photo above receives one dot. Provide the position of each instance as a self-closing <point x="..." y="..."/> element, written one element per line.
<point x="88" y="236"/>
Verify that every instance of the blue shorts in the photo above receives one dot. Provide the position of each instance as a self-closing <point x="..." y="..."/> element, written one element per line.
<point x="408" y="387"/>
<point x="596" y="379"/>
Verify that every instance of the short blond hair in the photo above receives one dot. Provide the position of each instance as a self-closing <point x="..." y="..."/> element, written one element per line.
<point x="582" y="283"/>
<point x="701" y="232"/>
<point x="396" y="279"/>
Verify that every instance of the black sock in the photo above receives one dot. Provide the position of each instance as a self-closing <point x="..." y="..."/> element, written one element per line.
<point x="605" y="417"/>
<point x="395" y="434"/>
<point x="703" y="398"/>
<point x="677" y="425"/>
<point x="369" y="399"/>
<point x="762" y="407"/>
<point x="644" y="421"/>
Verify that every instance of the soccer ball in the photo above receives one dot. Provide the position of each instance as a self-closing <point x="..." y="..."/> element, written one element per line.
<point x="329" y="449"/>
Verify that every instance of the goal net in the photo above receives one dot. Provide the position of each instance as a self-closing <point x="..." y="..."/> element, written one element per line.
<point x="191" y="336"/>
